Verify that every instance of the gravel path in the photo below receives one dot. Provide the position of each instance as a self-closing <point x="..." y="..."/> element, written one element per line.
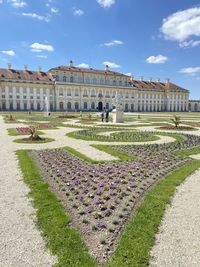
<point x="82" y="146"/>
<point x="21" y="244"/>
<point x="178" y="241"/>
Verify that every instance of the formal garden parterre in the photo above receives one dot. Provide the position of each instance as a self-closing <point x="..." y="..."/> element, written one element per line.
<point x="101" y="198"/>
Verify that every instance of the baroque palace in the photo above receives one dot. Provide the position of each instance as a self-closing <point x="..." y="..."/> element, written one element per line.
<point x="70" y="88"/>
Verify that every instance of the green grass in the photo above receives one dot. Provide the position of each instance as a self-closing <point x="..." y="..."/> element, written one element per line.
<point x="46" y="140"/>
<point x="139" y="235"/>
<point x="121" y="155"/>
<point x="188" y="152"/>
<point x="62" y="240"/>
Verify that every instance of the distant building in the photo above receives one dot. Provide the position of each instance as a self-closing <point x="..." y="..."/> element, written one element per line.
<point x="70" y="88"/>
<point x="194" y="105"/>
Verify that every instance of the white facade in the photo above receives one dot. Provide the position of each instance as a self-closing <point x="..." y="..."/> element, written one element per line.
<point x="72" y="89"/>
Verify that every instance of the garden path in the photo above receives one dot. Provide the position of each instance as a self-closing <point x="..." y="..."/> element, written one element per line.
<point x="21" y="243"/>
<point x="82" y="146"/>
<point x="177" y="242"/>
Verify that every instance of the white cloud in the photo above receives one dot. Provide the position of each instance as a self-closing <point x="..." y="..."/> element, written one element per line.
<point x="83" y="65"/>
<point x="17" y="3"/>
<point x="182" y="25"/>
<point x="54" y="10"/>
<point x="36" y="16"/>
<point x="1" y="1"/>
<point x="128" y="74"/>
<point x="111" y="64"/>
<point x="159" y="59"/>
<point x="190" y="70"/>
<point x="37" y="47"/>
<point x="8" y="52"/>
<point x="106" y="3"/>
<point x="114" y="42"/>
<point x="41" y="56"/>
<point x="78" y="12"/>
<point x="191" y="43"/>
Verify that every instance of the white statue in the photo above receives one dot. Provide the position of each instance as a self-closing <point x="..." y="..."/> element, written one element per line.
<point x="46" y="107"/>
<point x="117" y="113"/>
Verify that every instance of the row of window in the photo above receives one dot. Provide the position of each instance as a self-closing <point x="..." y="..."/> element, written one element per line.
<point x="90" y="81"/>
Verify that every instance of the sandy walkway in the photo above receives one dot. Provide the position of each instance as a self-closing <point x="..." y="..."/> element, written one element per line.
<point x="82" y="146"/>
<point x="178" y="240"/>
<point x="21" y="244"/>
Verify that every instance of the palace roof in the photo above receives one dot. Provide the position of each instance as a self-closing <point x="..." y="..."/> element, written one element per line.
<point x="150" y="85"/>
<point x="25" y="75"/>
<point x="88" y="70"/>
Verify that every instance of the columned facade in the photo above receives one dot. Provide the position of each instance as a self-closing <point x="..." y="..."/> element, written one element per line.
<point x="70" y="88"/>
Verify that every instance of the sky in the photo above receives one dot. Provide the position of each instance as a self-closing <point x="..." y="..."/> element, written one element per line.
<point x="150" y="38"/>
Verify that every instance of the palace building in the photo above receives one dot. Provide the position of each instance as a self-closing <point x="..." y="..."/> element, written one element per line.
<point x="70" y="88"/>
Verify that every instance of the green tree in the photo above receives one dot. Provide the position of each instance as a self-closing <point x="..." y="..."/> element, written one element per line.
<point x="176" y="120"/>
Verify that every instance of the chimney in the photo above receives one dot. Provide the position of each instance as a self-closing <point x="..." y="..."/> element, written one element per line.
<point x="106" y="67"/>
<point x="158" y="79"/>
<point x="9" y="66"/>
<point x="71" y="64"/>
<point x="25" y="67"/>
<point x="39" y="68"/>
<point x="142" y="78"/>
<point x="150" y="79"/>
<point x="168" y="80"/>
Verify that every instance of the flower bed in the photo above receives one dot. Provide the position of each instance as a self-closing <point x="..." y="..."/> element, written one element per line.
<point x="23" y="130"/>
<point x="179" y="128"/>
<point x="43" y="126"/>
<point x="95" y="134"/>
<point x="101" y="198"/>
<point x="192" y="123"/>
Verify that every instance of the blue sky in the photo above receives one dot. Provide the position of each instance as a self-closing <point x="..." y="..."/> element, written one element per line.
<point x="150" y="38"/>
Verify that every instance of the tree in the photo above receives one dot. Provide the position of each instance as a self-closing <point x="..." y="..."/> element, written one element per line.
<point x="176" y="120"/>
<point x="34" y="135"/>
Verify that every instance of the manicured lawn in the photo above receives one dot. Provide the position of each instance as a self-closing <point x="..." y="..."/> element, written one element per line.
<point x="137" y="238"/>
<point x="62" y="240"/>
<point x="46" y="140"/>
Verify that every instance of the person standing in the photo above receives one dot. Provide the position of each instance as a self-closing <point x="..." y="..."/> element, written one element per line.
<point x="107" y="115"/>
<point x="102" y="116"/>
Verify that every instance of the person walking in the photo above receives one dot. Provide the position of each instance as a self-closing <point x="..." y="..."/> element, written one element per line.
<point x="107" y="115"/>
<point x="102" y="116"/>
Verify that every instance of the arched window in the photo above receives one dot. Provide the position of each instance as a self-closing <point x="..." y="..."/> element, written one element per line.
<point x="38" y="106"/>
<point x="132" y="107"/>
<point x="32" y="106"/>
<point x="11" y="106"/>
<point x="18" y="105"/>
<point x="25" y="106"/>
<point x="107" y="105"/>
<point x="93" y="93"/>
<point x="93" y="105"/>
<point x="126" y="107"/>
<point x="76" y="106"/>
<point x="61" y="105"/>
<point x="71" y="79"/>
<point x="85" y="105"/>
<point x="69" y="106"/>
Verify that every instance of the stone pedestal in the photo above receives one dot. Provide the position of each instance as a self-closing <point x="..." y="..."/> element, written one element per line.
<point x="118" y="116"/>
